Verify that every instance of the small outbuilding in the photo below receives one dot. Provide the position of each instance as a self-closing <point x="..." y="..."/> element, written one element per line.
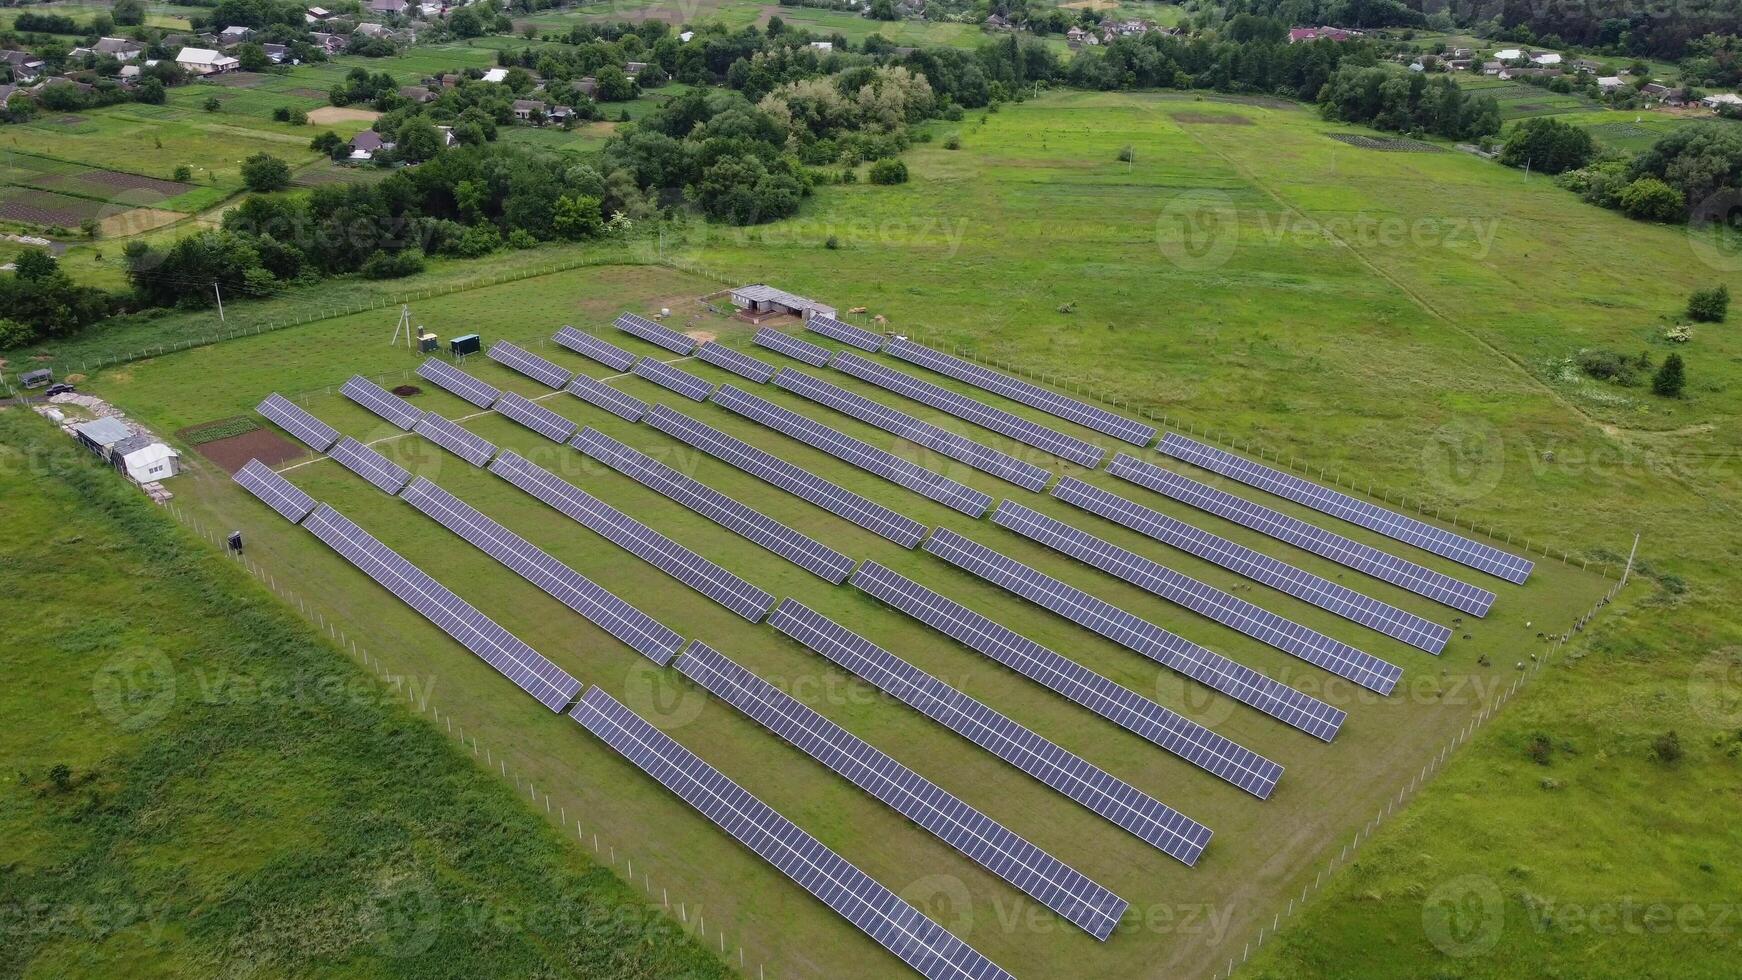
<point x="759" y="300"/>
<point x="144" y="459"/>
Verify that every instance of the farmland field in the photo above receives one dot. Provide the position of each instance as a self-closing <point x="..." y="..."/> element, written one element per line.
<point x="1397" y="320"/>
<point x="742" y="13"/>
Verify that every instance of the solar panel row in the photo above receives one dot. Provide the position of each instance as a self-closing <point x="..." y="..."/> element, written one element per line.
<point x="636" y="538"/>
<point x="666" y="376"/>
<point x="858" y="453"/>
<point x="1051" y="402"/>
<point x="1089" y="906"/>
<point x="1213" y="670"/>
<point x="293" y="419"/>
<point x="457" y="382"/>
<point x="274" y="491"/>
<point x="1408" y="575"/>
<point x="971" y="410"/>
<point x="449" y="435"/>
<point x="1212" y="603"/>
<point x="526" y="362"/>
<point x="845" y="504"/>
<point x="502" y="650"/>
<point x="536" y="417"/>
<point x="798" y="350"/>
<point x="383" y="473"/>
<point x="396" y="410"/>
<point x="1438" y="540"/>
<point x="826" y="563"/>
<point x="589" y="346"/>
<point x="735" y="361"/>
<point x="846" y="333"/>
<point x="1118" y="801"/>
<point x="875" y="910"/>
<point x="957" y="447"/>
<point x="602" y="395"/>
<point x="1305" y="586"/>
<point x="1185" y="738"/>
<point x="654" y="333"/>
<point x="640" y="631"/>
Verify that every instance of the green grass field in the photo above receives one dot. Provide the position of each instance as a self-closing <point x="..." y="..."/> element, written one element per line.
<point x="1400" y="319"/>
<point x="742" y="13"/>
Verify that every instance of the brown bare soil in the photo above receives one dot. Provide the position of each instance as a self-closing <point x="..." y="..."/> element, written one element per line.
<point x="263" y="444"/>
<point x="1212" y="118"/>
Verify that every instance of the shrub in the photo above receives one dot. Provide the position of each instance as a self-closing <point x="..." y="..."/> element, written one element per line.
<point x="1548" y="146"/>
<point x="1608" y="365"/>
<point x="889" y="172"/>
<point x="1650" y="199"/>
<point x="1667" y="748"/>
<point x="298" y="117"/>
<point x="520" y="238"/>
<point x="1709" y="305"/>
<point x="265" y="172"/>
<point x="281" y="114"/>
<point x="14" y="334"/>
<point x="1127" y="154"/>
<point x="1671" y="378"/>
<point x="212" y="104"/>
<point x="183" y="174"/>
<point x="832" y="243"/>
<point x="1539" y="749"/>
<point x="393" y="265"/>
<point x="954" y="142"/>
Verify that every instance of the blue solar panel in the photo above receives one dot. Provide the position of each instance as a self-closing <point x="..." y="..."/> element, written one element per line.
<point x="1119" y="802"/>
<point x="597" y="605"/>
<point x="1049" y="881"/>
<point x="957" y="447"/>
<point x="1243" y="684"/>
<point x="865" y="456"/>
<point x="825" y="563"/>
<point x="275" y="491"/>
<point x="654" y="333"/>
<point x="1051" y="402"/>
<point x="1305" y="586"/>
<point x="845" y="504"/>
<point x="1408" y="575"/>
<point x="1142" y="717"/>
<point x="602" y="395"/>
<point x="384" y="473"/>
<point x="537" y="368"/>
<point x="511" y="657"/>
<point x="469" y="446"/>
<point x="875" y="910"/>
<point x="457" y="382"/>
<point x="636" y="538"/>
<point x="293" y="419"/>
<point x="396" y="410"/>
<point x="1390" y="523"/>
<point x="536" y="417"/>
<point x="1212" y="603"/>
<point x="587" y="345"/>
<point x="666" y="376"/>
<point x="737" y="362"/>
<point x="798" y="350"/>
<point x="955" y="403"/>
<point x="846" y="333"/>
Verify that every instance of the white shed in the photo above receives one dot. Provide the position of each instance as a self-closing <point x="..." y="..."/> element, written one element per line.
<point x="144" y="459"/>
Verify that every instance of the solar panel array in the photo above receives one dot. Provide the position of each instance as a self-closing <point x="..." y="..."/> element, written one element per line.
<point x="1118" y="801"/>
<point x="654" y="333"/>
<point x="1365" y="558"/>
<point x="798" y="350"/>
<point x="1305" y="586"/>
<point x="1091" y="907"/>
<point x="601" y="395"/>
<point x="1181" y="736"/>
<point x="873" y="517"/>
<point x="957" y="447"/>
<point x="396" y="410"/>
<point x="865" y="456"/>
<point x="955" y="403"/>
<point x="526" y="362"/>
<point x="1213" y="670"/>
<point x="274" y="491"/>
<point x="457" y="382"/>
<point x="1390" y="523"/>
<point x="536" y="417"/>
<point x="294" y="419"/>
<point x="1051" y="402"/>
<point x="875" y="910"/>
<point x="449" y="435"/>
<point x="641" y="632"/>
<point x="511" y="657"/>
<point x="666" y="376"/>
<point x="846" y="333"/>
<point x="636" y="538"/>
<point x="587" y="345"/>
<point x="735" y="361"/>
<point x="1212" y="603"/>
<point x="384" y="473"/>
<point x="826" y="563"/>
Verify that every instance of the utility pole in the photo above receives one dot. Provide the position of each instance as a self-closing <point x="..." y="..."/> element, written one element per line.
<point x="1627" y="572"/>
<point x="220" y="296"/>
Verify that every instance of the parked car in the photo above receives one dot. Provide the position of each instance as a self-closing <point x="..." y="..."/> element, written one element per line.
<point x="60" y="388"/>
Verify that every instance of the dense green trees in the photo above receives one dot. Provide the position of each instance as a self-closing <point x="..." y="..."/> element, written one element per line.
<point x="1549" y="146"/>
<point x="1389" y="98"/>
<point x="41" y="300"/>
<point x="1709" y="305"/>
<point x="1671" y="378"/>
<point x="265" y="172"/>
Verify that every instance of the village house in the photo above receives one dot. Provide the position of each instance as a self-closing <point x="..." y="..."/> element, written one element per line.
<point x="232" y="36"/>
<point x="1300" y="34"/>
<point x="416" y="94"/>
<point x="1610" y="83"/>
<point x="366" y="144"/>
<point x="26" y="67"/>
<point x="205" y="61"/>
<point x="1718" y="100"/>
<point x="317" y="14"/>
<point x="330" y="43"/>
<point x="6" y="94"/>
<point x="525" y="108"/>
<point x="386" y="6"/>
<point x="120" y="48"/>
<point x="275" y="53"/>
<point x="823" y="46"/>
